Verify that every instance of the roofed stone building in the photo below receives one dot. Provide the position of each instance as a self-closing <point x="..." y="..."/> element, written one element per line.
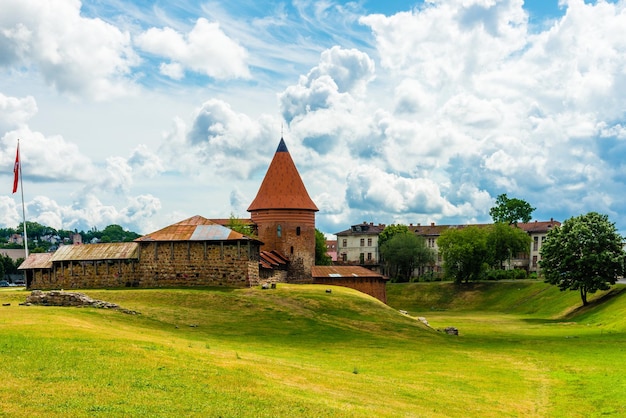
<point x="193" y="252"/>
<point x="203" y="252"/>
<point x="285" y="215"/>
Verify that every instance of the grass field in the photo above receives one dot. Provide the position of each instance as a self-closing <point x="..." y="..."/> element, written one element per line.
<point x="524" y="349"/>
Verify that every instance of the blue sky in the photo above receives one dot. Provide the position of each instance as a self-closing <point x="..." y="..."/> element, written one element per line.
<point x="145" y="113"/>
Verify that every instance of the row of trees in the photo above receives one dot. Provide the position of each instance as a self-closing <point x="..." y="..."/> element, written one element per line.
<point x="36" y="233"/>
<point x="467" y="251"/>
<point x="584" y="254"/>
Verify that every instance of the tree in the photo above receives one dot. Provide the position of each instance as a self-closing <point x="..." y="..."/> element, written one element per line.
<point x="505" y="241"/>
<point x="115" y="233"/>
<point x="511" y="211"/>
<point x="321" y="252"/>
<point x="240" y="225"/>
<point x="390" y="231"/>
<point x="585" y="253"/>
<point x="464" y="251"/>
<point x="405" y="252"/>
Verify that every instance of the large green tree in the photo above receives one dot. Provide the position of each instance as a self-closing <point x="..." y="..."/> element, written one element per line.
<point x="321" y="251"/>
<point x="464" y="251"/>
<point x="504" y="242"/>
<point x="390" y="231"/>
<point x="511" y="210"/>
<point x="404" y="253"/>
<point x="585" y="253"/>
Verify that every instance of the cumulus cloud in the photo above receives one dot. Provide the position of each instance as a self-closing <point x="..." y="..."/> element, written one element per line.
<point x="46" y="159"/>
<point x="226" y="141"/>
<point x="15" y="112"/>
<point x="75" y="54"/>
<point x="205" y="49"/>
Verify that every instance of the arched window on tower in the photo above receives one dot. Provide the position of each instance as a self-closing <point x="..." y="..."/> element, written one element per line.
<point x="279" y="231"/>
<point x="298" y="230"/>
<point x="291" y="249"/>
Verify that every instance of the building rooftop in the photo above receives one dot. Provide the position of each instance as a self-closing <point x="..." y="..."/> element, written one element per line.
<point x="90" y="252"/>
<point x="344" y="271"/>
<point x="195" y="228"/>
<point x="282" y="187"/>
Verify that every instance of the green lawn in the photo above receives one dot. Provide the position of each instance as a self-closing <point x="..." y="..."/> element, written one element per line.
<point x="524" y="349"/>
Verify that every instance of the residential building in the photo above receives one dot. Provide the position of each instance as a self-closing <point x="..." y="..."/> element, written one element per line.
<point x="537" y="230"/>
<point x="359" y="245"/>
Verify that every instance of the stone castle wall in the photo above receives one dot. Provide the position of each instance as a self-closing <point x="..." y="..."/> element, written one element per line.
<point x="161" y="264"/>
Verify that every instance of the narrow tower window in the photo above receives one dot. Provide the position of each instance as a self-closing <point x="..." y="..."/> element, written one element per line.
<point x="298" y="230"/>
<point x="279" y="231"/>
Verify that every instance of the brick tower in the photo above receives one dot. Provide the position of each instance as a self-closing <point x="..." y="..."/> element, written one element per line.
<point x="285" y="215"/>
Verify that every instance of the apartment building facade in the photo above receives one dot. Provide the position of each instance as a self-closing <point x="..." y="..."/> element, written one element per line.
<point x="358" y="245"/>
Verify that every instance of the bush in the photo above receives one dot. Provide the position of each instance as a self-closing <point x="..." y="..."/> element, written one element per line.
<point x="496" y="275"/>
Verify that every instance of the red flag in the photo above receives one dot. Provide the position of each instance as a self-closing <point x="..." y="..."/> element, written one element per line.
<point x="16" y="169"/>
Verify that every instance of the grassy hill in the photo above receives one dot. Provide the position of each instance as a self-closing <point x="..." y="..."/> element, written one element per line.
<point x="523" y="350"/>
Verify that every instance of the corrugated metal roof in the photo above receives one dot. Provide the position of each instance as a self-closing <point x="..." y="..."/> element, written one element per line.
<point x="282" y="186"/>
<point x="88" y="252"/>
<point x="344" y="271"/>
<point x="195" y="228"/>
<point x="37" y="261"/>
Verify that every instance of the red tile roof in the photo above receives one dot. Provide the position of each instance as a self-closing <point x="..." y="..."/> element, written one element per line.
<point x="539" y="226"/>
<point x="272" y="259"/>
<point x="282" y="187"/>
<point x="195" y="228"/>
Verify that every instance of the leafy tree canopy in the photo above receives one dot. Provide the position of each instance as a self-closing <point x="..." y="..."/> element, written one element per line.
<point x="240" y="225"/>
<point x="390" y="231"/>
<point x="465" y="252"/>
<point x="321" y="256"/>
<point x="404" y="252"/>
<point x="505" y="242"/>
<point x="511" y="211"/>
<point x="585" y="253"/>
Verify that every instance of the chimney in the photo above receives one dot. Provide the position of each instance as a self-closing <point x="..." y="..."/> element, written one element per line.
<point x="432" y="224"/>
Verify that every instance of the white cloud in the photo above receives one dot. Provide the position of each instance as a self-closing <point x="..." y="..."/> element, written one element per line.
<point x="206" y="49"/>
<point x="15" y="112"/>
<point x="75" y="54"/>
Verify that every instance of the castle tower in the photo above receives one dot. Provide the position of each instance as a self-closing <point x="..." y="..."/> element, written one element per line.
<point x="285" y="214"/>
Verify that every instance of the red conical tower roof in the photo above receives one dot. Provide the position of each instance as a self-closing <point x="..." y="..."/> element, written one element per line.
<point x="282" y="187"/>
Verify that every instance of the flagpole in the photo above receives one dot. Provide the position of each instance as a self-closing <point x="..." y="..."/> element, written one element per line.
<point x="23" y="209"/>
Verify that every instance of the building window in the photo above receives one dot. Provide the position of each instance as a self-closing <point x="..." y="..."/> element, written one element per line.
<point x="279" y="231"/>
<point x="535" y="243"/>
<point x="369" y="256"/>
<point x="361" y="258"/>
<point x="298" y="230"/>
<point x="291" y="250"/>
<point x="431" y="243"/>
<point x="344" y="257"/>
<point x="362" y="242"/>
<point x="369" y="242"/>
<point x="534" y="261"/>
<point x="345" y="242"/>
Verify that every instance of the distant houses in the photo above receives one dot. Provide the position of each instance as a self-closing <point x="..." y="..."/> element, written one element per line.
<point x="358" y="245"/>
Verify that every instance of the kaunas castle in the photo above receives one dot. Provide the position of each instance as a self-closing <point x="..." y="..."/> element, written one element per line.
<point x="205" y="252"/>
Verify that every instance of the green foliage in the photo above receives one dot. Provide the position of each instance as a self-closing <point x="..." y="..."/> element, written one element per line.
<point x="511" y="211"/>
<point x="390" y="231"/>
<point x="497" y="274"/>
<point x="465" y="252"/>
<point x="584" y="254"/>
<point x="405" y="252"/>
<point x="321" y="256"/>
<point x="7" y="264"/>
<point x="239" y="225"/>
<point x="505" y="242"/>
